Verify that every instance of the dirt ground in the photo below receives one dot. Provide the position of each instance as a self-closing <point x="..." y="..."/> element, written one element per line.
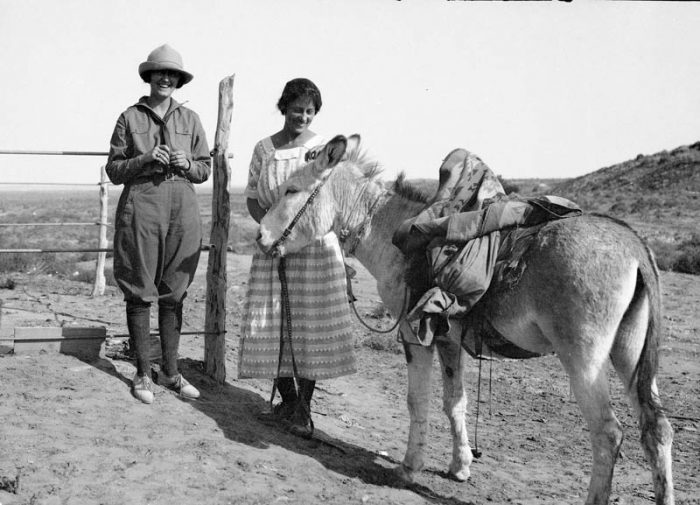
<point x="71" y="433"/>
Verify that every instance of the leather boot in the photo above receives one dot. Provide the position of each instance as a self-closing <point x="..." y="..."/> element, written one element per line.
<point x="301" y="423"/>
<point x="283" y="411"/>
<point x="169" y="326"/>
<point x="288" y="392"/>
<point x="306" y="390"/>
<point x="138" y="321"/>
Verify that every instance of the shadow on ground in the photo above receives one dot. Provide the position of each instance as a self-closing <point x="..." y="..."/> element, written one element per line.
<point x="234" y="410"/>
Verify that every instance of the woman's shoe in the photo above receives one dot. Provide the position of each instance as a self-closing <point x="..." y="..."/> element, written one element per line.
<point x="300" y="423"/>
<point x="280" y="414"/>
<point x="301" y="430"/>
<point x="179" y="384"/>
<point x="142" y="388"/>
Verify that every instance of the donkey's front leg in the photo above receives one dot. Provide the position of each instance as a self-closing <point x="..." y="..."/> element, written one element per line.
<point x="420" y="360"/>
<point x="454" y="397"/>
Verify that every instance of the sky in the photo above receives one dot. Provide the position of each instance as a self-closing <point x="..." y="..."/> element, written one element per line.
<point x="536" y="89"/>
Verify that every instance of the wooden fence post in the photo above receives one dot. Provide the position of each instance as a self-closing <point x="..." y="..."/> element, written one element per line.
<point x="100" y="282"/>
<point x="215" y="317"/>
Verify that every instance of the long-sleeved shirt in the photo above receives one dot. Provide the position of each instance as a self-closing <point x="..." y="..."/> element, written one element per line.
<point x="139" y="129"/>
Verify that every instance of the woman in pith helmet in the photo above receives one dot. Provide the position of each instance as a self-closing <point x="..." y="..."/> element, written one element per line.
<point x="158" y="151"/>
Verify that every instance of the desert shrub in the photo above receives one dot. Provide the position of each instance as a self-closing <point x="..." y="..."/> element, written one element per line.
<point x="665" y="253"/>
<point x="646" y="203"/>
<point x="683" y="257"/>
<point x="688" y="259"/>
<point x="12" y="262"/>
<point x="7" y="283"/>
<point x="619" y="208"/>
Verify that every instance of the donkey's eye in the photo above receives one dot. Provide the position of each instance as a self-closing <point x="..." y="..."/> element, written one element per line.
<point x="291" y="191"/>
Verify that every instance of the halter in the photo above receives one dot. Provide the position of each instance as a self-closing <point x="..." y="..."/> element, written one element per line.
<point x="344" y="233"/>
<point x="288" y="230"/>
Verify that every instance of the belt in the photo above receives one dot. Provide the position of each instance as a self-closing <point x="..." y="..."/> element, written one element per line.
<point x="166" y="174"/>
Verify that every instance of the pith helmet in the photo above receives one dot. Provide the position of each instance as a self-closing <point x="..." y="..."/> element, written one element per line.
<point x="164" y="58"/>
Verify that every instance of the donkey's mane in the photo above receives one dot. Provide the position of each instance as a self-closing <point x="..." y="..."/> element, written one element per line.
<point x="370" y="169"/>
<point x="408" y="190"/>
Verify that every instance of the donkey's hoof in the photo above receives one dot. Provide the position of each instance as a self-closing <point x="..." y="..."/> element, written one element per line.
<point x="460" y="475"/>
<point x="405" y="474"/>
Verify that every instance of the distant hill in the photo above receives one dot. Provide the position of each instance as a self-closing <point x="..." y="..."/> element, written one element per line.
<point x="659" y="193"/>
<point x="675" y="171"/>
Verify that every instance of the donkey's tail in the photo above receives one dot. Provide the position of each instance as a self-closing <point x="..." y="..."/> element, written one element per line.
<point x="648" y="283"/>
<point x="657" y="433"/>
<point x="647" y="289"/>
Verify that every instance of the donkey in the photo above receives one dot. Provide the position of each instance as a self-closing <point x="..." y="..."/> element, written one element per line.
<point x="590" y="294"/>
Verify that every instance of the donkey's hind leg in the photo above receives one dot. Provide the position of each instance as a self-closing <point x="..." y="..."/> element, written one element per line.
<point x="453" y="361"/>
<point x="590" y="386"/>
<point x="657" y="434"/>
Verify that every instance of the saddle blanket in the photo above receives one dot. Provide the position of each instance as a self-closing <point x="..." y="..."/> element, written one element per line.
<point x="468" y="251"/>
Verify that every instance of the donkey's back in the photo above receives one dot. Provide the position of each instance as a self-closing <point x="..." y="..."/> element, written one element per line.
<point x="580" y="274"/>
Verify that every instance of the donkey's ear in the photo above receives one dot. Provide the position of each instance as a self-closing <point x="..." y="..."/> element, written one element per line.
<point x="332" y="153"/>
<point x="353" y="142"/>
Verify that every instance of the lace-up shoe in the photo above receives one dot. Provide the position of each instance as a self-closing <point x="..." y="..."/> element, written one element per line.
<point x="142" y="388"/>
<point x="180" y="385"/>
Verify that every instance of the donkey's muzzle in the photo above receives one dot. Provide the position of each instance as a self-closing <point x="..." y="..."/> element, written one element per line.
<point x="270" y="250"/>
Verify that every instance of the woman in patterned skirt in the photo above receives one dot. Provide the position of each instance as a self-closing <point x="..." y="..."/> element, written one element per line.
<point x="322" y="341"/>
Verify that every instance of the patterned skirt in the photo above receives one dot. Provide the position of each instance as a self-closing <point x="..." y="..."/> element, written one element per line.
<point x="322" y="338"/>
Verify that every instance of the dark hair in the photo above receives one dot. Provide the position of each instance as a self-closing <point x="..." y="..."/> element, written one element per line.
<point x="297" y="88"/>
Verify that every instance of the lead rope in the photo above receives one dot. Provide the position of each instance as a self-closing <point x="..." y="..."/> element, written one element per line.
<point x="287" y="318"/>
<point x="351" y="298"/>
<point x="343" y="237"/>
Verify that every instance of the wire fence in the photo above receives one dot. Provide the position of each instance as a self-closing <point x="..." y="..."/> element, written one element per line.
<point x="102" y="245"/>
<point x="102" y="223"/>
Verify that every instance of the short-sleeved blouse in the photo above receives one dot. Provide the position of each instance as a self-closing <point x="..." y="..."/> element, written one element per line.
<point x="322" y="333"/>
<point x="270" y="167"/>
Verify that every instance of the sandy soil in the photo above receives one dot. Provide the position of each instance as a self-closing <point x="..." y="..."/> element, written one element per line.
<point x="73" y="433"/>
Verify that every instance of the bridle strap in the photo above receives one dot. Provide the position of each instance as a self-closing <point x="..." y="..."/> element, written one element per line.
<point x="354" y="207"/>
<point x="345" y="233"/>
<point x="288" y="230"/>
<point x="360" y="231"/>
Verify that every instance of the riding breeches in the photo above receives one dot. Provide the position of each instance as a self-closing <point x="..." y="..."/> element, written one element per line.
<point x="157" y="240"/>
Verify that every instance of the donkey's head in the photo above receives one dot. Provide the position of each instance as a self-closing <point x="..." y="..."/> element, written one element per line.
<point x="306" y="208"/>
